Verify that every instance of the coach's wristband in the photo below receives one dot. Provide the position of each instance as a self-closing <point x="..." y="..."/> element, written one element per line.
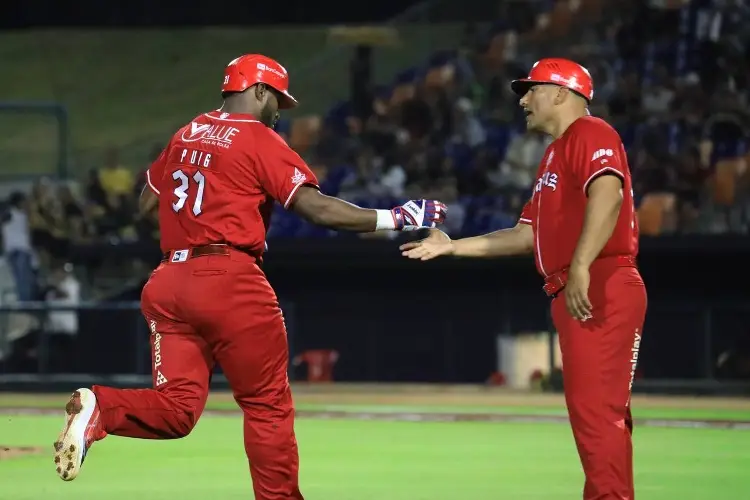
<point x="385" y="221"/>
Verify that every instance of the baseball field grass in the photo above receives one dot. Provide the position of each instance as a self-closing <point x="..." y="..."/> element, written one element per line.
<point x="398" y="445"/>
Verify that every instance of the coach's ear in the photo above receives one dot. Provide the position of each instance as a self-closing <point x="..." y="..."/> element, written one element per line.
<point x="562" y="94"/>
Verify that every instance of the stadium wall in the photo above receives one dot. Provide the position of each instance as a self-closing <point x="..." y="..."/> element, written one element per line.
<point x="376" y="309"/>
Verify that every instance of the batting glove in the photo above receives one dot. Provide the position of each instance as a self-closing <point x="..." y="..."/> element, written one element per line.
<point x="419" y="214"/>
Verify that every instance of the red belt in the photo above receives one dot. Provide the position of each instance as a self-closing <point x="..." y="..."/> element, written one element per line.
<point x="555" y="282"/>
<point x="201" y="251"/>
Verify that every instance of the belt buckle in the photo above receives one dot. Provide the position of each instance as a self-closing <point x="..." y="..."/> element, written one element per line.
<point x="554" y="285"/>
<point x="180" y="255"/>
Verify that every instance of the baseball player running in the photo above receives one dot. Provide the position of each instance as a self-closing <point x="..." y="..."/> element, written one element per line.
<point x="209" y="302"/>
<point x="581" y="226"/>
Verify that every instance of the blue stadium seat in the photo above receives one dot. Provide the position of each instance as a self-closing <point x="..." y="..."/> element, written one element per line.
<point x="498" y="137"/>
<point x="337" y="115"/>
<point x="461" y="154"/>
<point x="627" y="133"/>
<point x="283" y="223"/>
<point x="336" y="175"/>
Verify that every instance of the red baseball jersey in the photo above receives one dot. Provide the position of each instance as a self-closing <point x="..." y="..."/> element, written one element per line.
<point x="217" y="180"/>
<point x="590" y="147"/>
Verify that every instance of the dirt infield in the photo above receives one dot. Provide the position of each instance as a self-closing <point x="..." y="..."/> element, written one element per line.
<point x="428" y="395"/>
<point x="509" y="418"/>
<point x="442" y="399"/>
<point x="474" y="395"/>
<point x="11" y="452"/>
<point x="400" y="416"/>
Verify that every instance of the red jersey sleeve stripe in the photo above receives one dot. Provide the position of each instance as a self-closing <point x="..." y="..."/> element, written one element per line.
<point x="294" y="191"/>
<point x="151" y="184"/>
<point x="599" y="172"/>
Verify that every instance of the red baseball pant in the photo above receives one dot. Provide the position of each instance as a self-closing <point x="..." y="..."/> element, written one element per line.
<point x="599" y="358"/>
<point x="207" y="310"/>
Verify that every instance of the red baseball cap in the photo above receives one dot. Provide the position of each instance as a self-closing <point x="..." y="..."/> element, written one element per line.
<point x="245" y="71"/>
<point x="557" y="71"/>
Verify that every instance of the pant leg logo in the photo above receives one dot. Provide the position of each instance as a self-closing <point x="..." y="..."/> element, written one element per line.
<point x="634" y="359"/>
<point x="160" y="378"/>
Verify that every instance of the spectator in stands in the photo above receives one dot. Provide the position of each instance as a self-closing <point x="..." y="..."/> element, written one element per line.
<point x="658" y="95"/>
<point x="17" y="246"/>
<point x="500" y="104"/>
<point x="95" y="193"/>
<point x="416" y="119"/>
<point x="457" y="130"/>
<point x="63" y="289"/>
<point x="653" y="173"/>
<point x="725" y="133"/>
<point x="441" y="111"/>
<point x="47" y="222"/>
<point x="381" y="130"/>
<point x="78" y="227"/>
<point x="115" y="179"/>
<point x="689" y="180"/>
<point x="333" y="146"/>
<point x="522" y="158"/>
<point x="719" y="29"/>
<point x="393" y="179"/>
<point x="688" y="108"/>
<point x="363" y="180"/>
<point x="146" y="226"/>
<point x="447" y="189"/>
<point x="626" y="102"/>
<point x="474" y="181"/>
<point x="117" y="182"/>
<point x="467" y="129"/>
<point x="61" y="327"/>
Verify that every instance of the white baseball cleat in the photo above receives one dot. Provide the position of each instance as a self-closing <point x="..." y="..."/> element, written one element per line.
<point x="81" y="430"/>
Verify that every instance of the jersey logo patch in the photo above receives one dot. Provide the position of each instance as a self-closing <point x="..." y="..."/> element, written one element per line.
<point x="546" y="180"/>
<point x="210" y="134"/>
<point x="197" y="128"/>
<point x="298" y="177"/>
<point x="602" y="153"/>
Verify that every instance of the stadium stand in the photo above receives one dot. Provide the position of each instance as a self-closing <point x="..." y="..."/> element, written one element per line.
<point x="673" y="78"/>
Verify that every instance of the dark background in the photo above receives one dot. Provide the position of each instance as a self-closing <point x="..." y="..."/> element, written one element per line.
<point x="145" y="13"/>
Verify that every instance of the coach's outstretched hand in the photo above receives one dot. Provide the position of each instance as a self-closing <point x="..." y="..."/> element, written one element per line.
<point x="436" y="244"/>
<point x="419" y="214"/>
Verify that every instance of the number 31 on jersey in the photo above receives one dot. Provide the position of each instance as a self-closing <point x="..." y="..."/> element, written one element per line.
<point x="195" y="158"/>
<point x="181" y="191"/>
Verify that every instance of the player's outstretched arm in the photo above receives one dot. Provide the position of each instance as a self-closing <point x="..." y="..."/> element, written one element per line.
<point x="514" y="241"/>
<point x="148" y="201"/>
<point x="328" y="211"/>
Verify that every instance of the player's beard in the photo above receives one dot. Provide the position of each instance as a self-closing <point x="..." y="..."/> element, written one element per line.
<point x="269" y="116"/>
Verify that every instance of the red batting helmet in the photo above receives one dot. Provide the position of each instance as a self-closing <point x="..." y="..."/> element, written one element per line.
<point x="245" y="71"/>
<point x="556" y="71"/>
